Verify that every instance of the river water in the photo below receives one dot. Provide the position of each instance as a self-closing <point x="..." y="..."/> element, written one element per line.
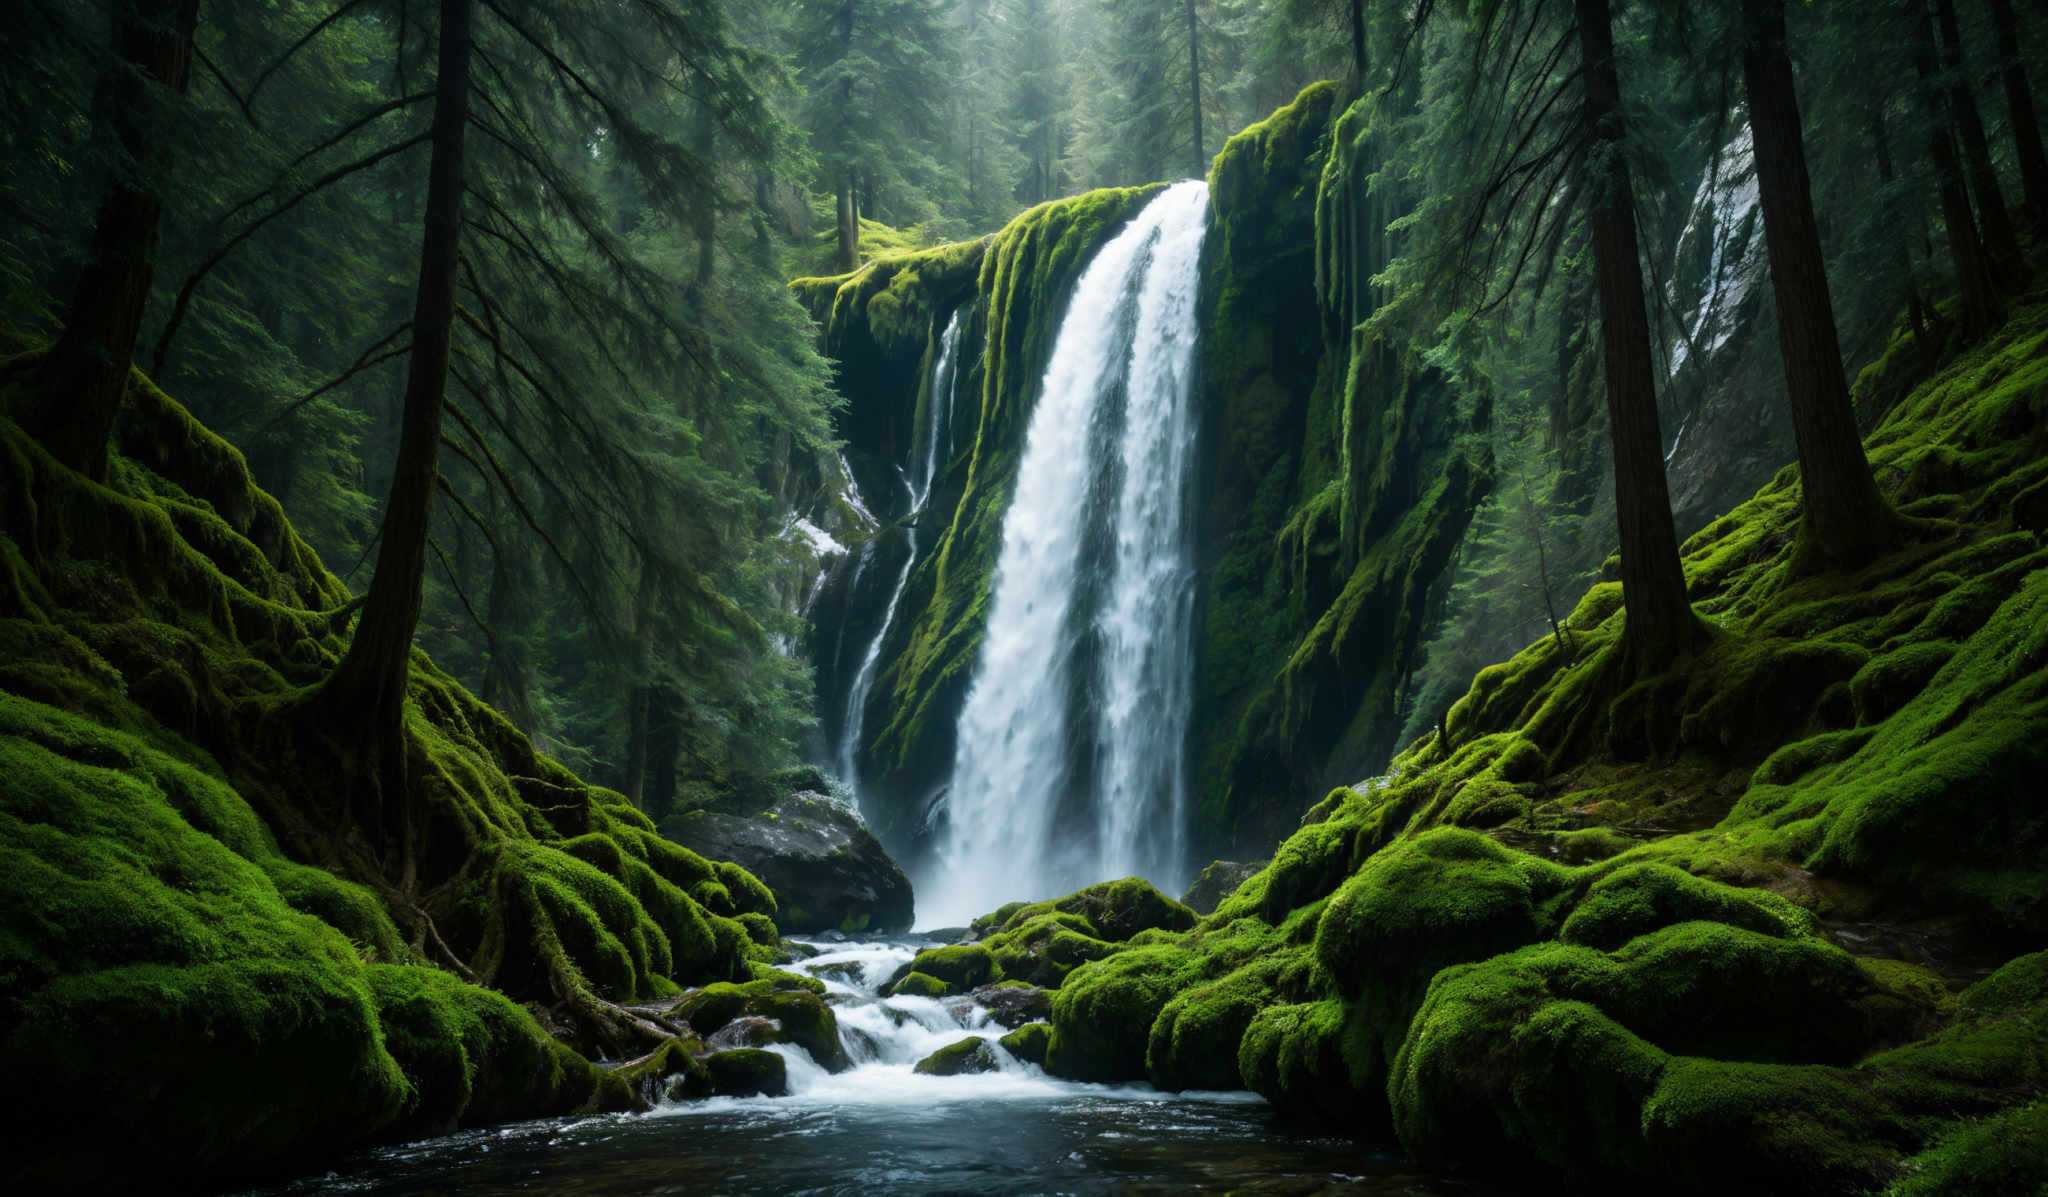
<point x="881" y="1128"/>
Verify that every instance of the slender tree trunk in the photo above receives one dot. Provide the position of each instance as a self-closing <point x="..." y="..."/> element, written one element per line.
<point x="86" y="374"/>
<point x="2026" y="124"/>
<point x="1842" y="515"/>
<point x="1358" y="38"/>
<point x="849" y="223"/>
<point x="1195" y="88"/>
<point x="1999" y="239"/>
<point x="370" y="682"/>
<point x="640" y="692"/>
<point x="1979" y="297"/>
<point x="664" y="739"/>
<point x="1660" y="624"/>
<point x="1916" y="308"/>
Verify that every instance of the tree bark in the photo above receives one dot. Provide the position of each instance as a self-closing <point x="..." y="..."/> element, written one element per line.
<point x="849" y="224"/>
<point x="2026" y="125"/>
<point x="1842" y="515"/>
<point x="1978" y="296"/>
<point x="639" y="693"/>
<point x="1916" y="308"/>
<point x="1201" y="160"/>
<point x="86" y="374"/>
<point x="370" y="682"/>
<point x="1660" y="624"/>
<point x="1999" y="239"/>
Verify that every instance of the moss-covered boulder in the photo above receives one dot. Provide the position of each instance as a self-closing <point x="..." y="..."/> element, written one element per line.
<point x="801" y="1014"/>
<point x="1028" y="1042"/>
<point x="747" y="1072"/>
<point x="957" y="967"/>
<point x="960" y="1058"/>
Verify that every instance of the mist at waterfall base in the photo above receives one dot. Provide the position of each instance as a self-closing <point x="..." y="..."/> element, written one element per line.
<point x="881" y="1127"/>
<point x="1071" y="758"/>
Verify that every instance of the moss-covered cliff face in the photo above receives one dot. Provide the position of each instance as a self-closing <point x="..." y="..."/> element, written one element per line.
<point x="198" y="944"/>
<point x="1335" y="479"/>
<point x="899" y="306"/>
<point x="1337" y="482"/>
<point x="1768" y="923"/>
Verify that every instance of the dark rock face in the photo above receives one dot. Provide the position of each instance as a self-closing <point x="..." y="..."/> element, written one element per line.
<point x="1014" y="1005"/>
<point x="960" y="1059"/>
<point x="827" y="869"/>
<point x="1217" y="882"/>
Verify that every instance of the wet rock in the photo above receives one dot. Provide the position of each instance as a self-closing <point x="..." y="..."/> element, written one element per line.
<point x="960" y="1059"/>
<point x="751" y="1031"/>
<point x="802" y="1016"/>
<point x="748" y="1072"/>
<point x="915" y="985"/>
<point x="1012" y="1004"/>
<point x="827" y="869"/>
<point x="1217" y="882"/>
<point x="1028" y="1042"/>
<point x="846" y="971"/>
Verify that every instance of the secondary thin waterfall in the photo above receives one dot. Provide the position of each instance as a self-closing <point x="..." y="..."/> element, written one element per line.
<point x="938" y="421"/>
<point x="1072" y="742"/>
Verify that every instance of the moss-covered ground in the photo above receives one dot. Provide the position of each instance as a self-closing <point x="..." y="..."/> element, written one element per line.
<point x="200" y="943"/>
<point x="1771" y="922"/>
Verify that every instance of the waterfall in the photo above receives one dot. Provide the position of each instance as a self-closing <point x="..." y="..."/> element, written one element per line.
<point x="1070" y="761"/>
<point x="938" y="419"/>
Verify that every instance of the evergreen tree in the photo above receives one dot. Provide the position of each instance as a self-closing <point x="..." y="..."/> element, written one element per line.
<point x="1843" y="517"/>
<point x="875" y="74"/>
<point x="86" y="373"/>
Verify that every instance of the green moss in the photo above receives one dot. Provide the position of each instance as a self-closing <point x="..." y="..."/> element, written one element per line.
<point x="916" y="984"/>
<point x="747" y="1072"/>
<point x="961" y="1058"/>
<point x="1028" y="1042"/>
<point x="1102" y="1016"/>
<point x="960" y="966"/>
<point x="804" y="1017"/>
<point x="2005" y="1153"/>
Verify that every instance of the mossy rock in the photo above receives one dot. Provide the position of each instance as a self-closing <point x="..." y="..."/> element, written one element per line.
<point x="747" y="1072"/>
<point x="1028" y="1042"/>
<point x="916" y="984"/>
<point x="961" y="1058"/>
<point x="804" y="1017"/>
<point x="958" y="967"/>
<point x="1102" y="1016"/>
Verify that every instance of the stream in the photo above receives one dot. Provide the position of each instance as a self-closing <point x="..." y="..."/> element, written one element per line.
<point x="880" y="1127"/>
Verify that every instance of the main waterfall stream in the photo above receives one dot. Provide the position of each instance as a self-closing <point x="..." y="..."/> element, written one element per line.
<point x="1070" y="766"/>
<point x="880" y="1127"/>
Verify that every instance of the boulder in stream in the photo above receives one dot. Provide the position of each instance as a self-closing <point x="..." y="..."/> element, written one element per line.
<point x="800" y="1017"/>
<point x="1028" y="1042"/>
<point x="748" y="1072"/>
<point x="1014" y="1003"/>
<point x="960" y="1059"/>
<point x="827" y="869"/>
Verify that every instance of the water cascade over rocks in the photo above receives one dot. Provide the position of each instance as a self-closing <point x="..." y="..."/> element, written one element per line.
<point x="938" y="428"/>
<point x="1071" y="753"/>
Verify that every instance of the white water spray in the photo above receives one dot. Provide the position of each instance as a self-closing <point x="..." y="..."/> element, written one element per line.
<point x="1070" y="764"/>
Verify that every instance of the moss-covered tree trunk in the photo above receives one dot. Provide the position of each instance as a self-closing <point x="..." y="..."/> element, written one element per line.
<point x="1999" y="238"/>
<point x="369" y="685"/>
<point x="1979" y="298"/>
<point x="1843" y="518"/>
<point x="87" y="373"/>
<point x="1660" y="622"/>
<point x="2019" y="100"/>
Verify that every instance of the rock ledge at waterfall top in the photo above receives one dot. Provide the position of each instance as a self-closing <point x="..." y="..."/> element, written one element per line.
<point x="828" y="871"/>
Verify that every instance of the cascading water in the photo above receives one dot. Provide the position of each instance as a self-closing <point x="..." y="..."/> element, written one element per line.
<point x="938" y="421"/>
<point x="1070" y="766"/>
